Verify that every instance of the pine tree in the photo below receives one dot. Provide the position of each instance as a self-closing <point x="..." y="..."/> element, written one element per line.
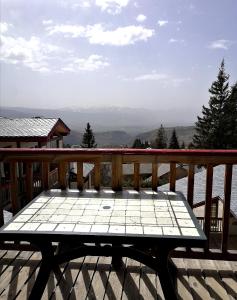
<point x="88" y="140"/>
<point x="137" y="144"/>
<point x="210" y="128"/>
<point x="230" y="122"/>
<point x="174" y="143"/>
<point x="161" y="139"/>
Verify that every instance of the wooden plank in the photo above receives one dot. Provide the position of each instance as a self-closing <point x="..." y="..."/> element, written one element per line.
<point x="229" y="280"/>
<point x="80" y="180"/>
<point x="14" y="188"/>
<point x="213" y="280"/>
<point x="17" y="283"/>
<point x="136" y="176"/>
<point x="29" y="181"/>
<point x="196" y="281"/>
<point x="100" y="279"/>
<point x="149" y="288"/>
<point x="154" y="182"/>
<point x="14" y="268"/>
<point x="6" y="261"/>
<point x="172" y="176"/>
<point x="45" y="175"/>
<point x="183" y="287"/>
<point x="117" y="172"/>
<point x="62" y="175"/>
<point x="190" y="185"/>
<point x="97" y="175"/>
<point x="207" y="216"/>
<point x="226" y="208"/>
<point x="115" y="284"/>
<point x="131" y="285"/>
<point x="83" y="281"/>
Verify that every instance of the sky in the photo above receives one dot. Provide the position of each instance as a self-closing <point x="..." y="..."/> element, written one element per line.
<point x="153" y="54"/>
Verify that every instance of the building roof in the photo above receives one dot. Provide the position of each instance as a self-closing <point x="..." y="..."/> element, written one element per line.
<point x="146" y="169"/>
<point x="200" y="186"/>
<point x="28" y="129"/>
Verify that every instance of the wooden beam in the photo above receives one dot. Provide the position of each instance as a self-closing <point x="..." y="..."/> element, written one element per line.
<point x="14" y="188"/>
<point x="80" y="180"/>
<point x="226" y="207"/>
<point x="154" y="183"/>
<point x="172" y="176"/>
<point x="97" y="175"/>
<point x="190" y="185"/>
<point x="29" y="181"/>
<point x="62" y="170"/>
<point x="45" y="175"/>
<point x="208" y="202"/>
<point x="117" y="172"/>
<point x="136" y="176"/>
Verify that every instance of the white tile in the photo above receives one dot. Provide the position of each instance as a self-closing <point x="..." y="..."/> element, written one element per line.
<point x="40" y="218"/>
<point x="117" y="229"/>
<point x="133" y="220"/>
<point x="65" y="206"/>
<point x="152" y="230"/>
<point x="133" y="213"/>
<point x="22" y="218"/>
<point x="148" y="214"/>
<point x="147" y="202"/>
<point x="75" y="212"/>
<point x="58" y="200"/>
<point x="101" y="219"/>
<point x="133" y="207"/>
<point x="100" y="228"/>
<point x="189" y="231"/>
<point x="162" y="214"/>
<point x="36" y="205"/>
<point x="65" y="227"/>
<point x="86" y="219"/>
<point x="29" y="211"/>
<point x="117" y="220"/>
<point x="46" y="227"/>
<point x="82" y="228"/>
<point x="177" y="203"/>
<point x="57" y="218"/>
<point x="120" y="207"/>
<point x="134" y="229"/>
<point x="170" y="231"/>
<point x="46" y="211"/>
<point x="42" y="199"/>
<point x="71" y="219"/>
<point x="90" y="212"/>
<point x="93" y="207"/>
<point x="147" y="208"/>
<point x="118" y="213"/>
<point x="185" y="223"/>
<point x="161" y="203"/>
<point x="14" y="226"/>
<point x="62" y="211"/>
<point x="182" y="215"/>
<point x="164" y="221"/>
<point x="79" y="206"/>
<point x="148" y="220"/>
<point x="180" y="209"/>
<point x="30" y="226"/>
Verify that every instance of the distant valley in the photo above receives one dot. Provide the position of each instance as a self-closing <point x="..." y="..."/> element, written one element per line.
<point x="112" y="126"/>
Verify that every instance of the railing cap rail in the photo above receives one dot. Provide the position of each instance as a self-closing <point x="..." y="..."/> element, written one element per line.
<point x="118" y="151"/>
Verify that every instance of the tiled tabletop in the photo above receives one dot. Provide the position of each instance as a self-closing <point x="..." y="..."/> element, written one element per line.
<point x="129" y="213"/>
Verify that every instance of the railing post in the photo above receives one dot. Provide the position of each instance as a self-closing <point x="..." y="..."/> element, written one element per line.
<point x="97" y="175"/>
<point x="172" y="176"/>
<point x="207" y="217"/>
<point x="117" y="172"/>
<point x="154" y="179"/>
<point x="62" y="170"/>
<point x="137" y="176"/>
<point x="1" y="212"/>
<point x="190" y="185"/>
<point x="45" y="175"/>
<point x="29" y="181"/>
<point x="226" y="208"/>
<point x="14" y="187"/>
<point x="80" y="180"/>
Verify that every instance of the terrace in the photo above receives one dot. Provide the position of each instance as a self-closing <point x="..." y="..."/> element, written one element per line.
<point x="203" y="273"/>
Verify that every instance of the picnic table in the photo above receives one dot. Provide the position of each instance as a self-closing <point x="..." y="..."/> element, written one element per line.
<point x="143" y="225"/>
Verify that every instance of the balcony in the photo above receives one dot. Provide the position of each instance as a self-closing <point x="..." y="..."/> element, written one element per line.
<point x="198" y="272"/>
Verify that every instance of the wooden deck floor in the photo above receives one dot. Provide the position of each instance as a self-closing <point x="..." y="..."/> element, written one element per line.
<point x="93" y="278"/>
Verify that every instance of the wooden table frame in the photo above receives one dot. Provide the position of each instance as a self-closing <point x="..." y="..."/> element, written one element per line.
<point x="153" y="251"/>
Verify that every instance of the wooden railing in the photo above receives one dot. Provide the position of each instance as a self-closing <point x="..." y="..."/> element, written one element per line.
<point x="118" y="157"/>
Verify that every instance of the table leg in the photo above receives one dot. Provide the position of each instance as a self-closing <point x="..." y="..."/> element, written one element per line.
<point x="47" y="265"/>
<point x="117" y="261"/>
<point x="167" y="276"/>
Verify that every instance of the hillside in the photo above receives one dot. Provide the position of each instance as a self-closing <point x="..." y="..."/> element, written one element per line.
<point x="184" y="133"/>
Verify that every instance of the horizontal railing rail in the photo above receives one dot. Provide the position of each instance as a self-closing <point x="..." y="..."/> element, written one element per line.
<point x="117" y="157"/>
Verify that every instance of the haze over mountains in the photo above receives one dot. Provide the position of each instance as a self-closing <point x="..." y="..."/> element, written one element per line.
<point x="113" y="126"/>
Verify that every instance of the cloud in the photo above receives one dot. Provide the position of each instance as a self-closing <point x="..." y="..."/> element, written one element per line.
<point x="220" y="44"/>
<point x="44" y="57"/>
<point x="4" y="27"/>
<point x="112" y="6"/>
<point x="47" y="22"/>
<point x="151" y="76"/>
<point x="141" y="18"/>
<point x="92" y="63"/>
<point x="97" y="34"/>
<point x="172" y="40"/>
<point x="162" y="23"/>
